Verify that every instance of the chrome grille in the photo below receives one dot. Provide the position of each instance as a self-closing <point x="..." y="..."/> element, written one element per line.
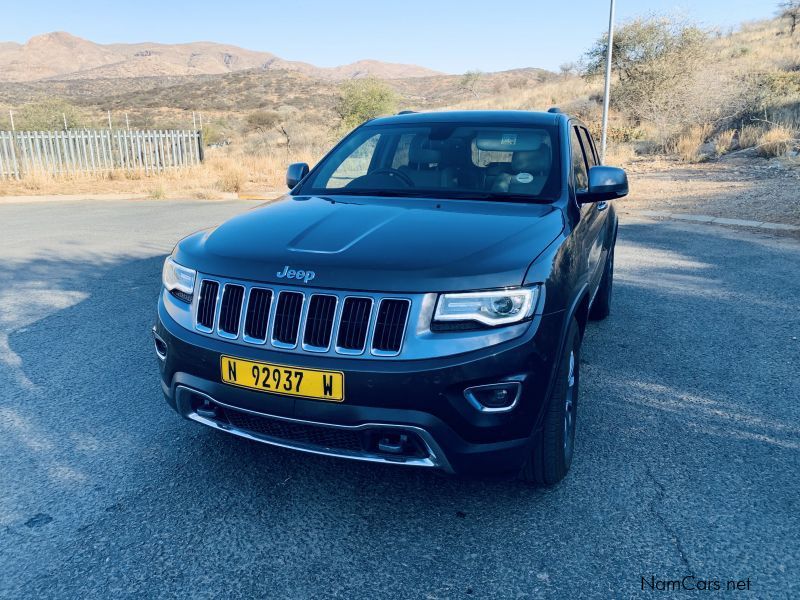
<point x="310" y="320"/>
<point x="207" y="305"/>
<point x="390" y="325"/>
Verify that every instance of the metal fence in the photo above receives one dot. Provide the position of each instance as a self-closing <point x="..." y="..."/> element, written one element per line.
<point x="97" y="150"/>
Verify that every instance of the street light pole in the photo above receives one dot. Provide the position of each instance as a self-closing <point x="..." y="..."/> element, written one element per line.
<point x="607" y="92"/>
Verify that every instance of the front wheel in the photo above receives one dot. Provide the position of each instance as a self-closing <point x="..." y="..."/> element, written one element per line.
<point x="551" y="457"/>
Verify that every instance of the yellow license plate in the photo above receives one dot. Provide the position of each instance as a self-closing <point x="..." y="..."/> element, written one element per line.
<point x="282" y="379"/>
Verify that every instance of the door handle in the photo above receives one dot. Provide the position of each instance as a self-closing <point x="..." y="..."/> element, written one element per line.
<point x="602" y="206"/>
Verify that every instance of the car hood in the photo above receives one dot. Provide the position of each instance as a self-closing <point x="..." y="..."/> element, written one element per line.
<point x="378" y="244"/>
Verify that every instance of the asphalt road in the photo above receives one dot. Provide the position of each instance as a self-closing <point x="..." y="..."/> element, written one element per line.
<point x="688" y="449"/>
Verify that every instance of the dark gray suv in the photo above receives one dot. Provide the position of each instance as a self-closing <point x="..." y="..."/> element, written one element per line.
<point x="418" y="298"/>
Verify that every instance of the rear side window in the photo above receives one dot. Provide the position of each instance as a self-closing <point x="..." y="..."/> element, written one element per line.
<point x="588" y="147"/>
<point x="580" y="173"/>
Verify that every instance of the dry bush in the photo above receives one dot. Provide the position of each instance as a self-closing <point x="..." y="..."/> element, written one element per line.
<point x="157" y="192"/>
<point x="776" y="141"/>
<point x="724" y="142"/>
<point x="749" y="136"/>
<point x="688" y="144"/>
<point x="231" y="175"/>
<point x="619" y="154"/>
<point x="654" y="59"/>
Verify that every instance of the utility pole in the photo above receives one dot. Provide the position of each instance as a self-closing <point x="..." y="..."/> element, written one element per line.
<point x="11" y="116"/>
<point x="194" y="122"/>
<point x="201" y="121"/>
<point x="607" y="92"/>
<point x="64" y="115"/>
<point x="109" y="120"/>
<point x="127" y="123"/>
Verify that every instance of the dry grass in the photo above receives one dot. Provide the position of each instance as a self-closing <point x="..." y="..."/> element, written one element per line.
<point x="724" y="142"/>
<point x="619" y="155"/>
<point x="688" y="144"/>
<point x="749" y="136"/>
<point x="776" y="141"/>
<point x="225" y="170"/>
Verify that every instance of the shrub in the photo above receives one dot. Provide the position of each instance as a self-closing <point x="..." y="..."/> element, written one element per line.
<point x="688" y="144"/>
<point x="48" y="115"/>
<point x="749" y="136"/>
<point x="158" y="192"/>
<point x="655" y="59"/>
<point x="262" y="120"/>
<point x="775" y="141"/>
<point x="364" y="99"/>
<point x="724" y="142"/>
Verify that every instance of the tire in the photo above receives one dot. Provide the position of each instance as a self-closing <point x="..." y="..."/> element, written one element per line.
<point x="601" y="306"/>
<point x="552" y="454"/>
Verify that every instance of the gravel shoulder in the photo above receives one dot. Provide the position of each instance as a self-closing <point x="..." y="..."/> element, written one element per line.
<point x="737" y="186"/>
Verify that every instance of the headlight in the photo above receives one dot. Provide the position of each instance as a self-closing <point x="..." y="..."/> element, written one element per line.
<point x="499" y="307"/>
<point x="178" y="280"/>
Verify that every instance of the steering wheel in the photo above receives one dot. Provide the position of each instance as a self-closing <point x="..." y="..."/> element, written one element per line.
<point x="395" y="173"/>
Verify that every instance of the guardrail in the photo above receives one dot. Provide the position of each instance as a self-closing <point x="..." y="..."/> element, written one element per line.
<point x="67" y="152"/>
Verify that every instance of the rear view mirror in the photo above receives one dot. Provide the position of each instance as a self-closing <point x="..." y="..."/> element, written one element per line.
<point x="295" y="173"/>
<point x="605" y="183"/>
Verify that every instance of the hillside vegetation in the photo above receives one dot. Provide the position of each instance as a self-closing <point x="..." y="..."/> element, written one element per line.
<point x="678" y="91"/>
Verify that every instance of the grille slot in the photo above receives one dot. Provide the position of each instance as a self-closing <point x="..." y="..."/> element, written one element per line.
<point x="231" y="309"/>
<point x="319" y="321"/>
<point x="257" y="316"/>
<point x="354" y="325"/>
<point x="325" y="437"/>
<point x="287" y="318"/>
<point x="390" y="325"/>
<point x="207" y="305"/>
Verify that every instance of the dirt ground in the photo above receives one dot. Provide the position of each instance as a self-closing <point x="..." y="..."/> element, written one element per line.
<point x="740" y="185"/>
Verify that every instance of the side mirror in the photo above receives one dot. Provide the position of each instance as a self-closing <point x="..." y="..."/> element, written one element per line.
<point x="295" y="173"/>
<point x="605" y="183"/>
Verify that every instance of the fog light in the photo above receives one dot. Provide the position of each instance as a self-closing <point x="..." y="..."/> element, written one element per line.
<point x="161" y="345"/>
<point x="494" y="397"/>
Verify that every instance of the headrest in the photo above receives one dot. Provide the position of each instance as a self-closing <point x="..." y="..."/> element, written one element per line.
<point x="419" y="154"/>
<point x="423" y="156"/>
<point x="511" y="140"/>
<point x="532" y="162"/>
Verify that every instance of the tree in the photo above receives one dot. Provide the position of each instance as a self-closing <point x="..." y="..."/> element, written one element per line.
<point x="469" y="82"/>
<point x="265" y="120"/>
<point x="262" y="120"/>
<point x="48" y="115"/>
<point x="363" y="99"/>
<point x="790" y="10"/>
<point x="656" y="60"/>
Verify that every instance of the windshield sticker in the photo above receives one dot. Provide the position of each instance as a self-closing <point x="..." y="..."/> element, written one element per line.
<point x="508" y="139"/>
<point x="524" y="177"/>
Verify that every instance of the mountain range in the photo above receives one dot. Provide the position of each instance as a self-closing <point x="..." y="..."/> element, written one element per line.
<point x="62" y="56"/>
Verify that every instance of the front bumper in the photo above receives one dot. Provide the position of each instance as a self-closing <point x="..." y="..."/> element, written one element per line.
<point x="420" y="399"/>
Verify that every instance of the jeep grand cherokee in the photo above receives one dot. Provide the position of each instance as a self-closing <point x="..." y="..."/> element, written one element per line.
<point x="417" y="298"/>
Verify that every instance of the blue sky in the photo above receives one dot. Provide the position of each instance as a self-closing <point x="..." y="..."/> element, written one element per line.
<point x="446" y="35"/>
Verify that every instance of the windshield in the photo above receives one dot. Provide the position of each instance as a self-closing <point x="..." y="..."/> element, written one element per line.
<point x="445" y="160"/>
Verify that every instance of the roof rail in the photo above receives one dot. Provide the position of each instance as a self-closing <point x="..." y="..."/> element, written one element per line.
<point x="407" y="112"/>
<point x="555" y="110"/>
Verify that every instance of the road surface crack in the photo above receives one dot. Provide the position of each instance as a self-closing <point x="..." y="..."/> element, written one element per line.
<point x="658" y="499"/>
